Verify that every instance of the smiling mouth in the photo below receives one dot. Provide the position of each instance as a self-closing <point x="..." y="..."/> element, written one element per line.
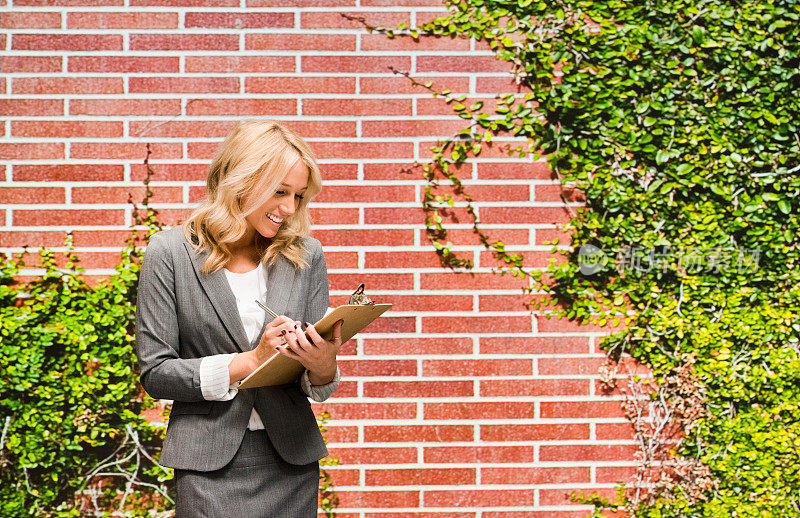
<point x="274" y="219"/>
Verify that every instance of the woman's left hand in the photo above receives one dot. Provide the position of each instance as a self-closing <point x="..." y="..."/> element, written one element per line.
<point x="317" y="355"/>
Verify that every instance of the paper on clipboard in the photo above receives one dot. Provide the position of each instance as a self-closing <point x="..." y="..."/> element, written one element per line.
<point x="280" y="369"/>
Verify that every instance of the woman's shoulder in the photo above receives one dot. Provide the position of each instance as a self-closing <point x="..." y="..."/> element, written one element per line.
<point x="167" y="238"/>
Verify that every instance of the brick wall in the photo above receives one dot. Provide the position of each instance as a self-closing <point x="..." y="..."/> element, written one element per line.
<point x="458" y="403"/>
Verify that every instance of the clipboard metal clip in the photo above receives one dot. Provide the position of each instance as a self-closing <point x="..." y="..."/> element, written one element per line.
<point x="359" y="297"/>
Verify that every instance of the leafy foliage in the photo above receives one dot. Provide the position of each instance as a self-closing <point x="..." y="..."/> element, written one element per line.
<point x="678" y="120"/>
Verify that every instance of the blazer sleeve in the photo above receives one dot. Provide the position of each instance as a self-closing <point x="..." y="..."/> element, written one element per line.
<point x="318" y="296"/>
<point x="163" y="373"/>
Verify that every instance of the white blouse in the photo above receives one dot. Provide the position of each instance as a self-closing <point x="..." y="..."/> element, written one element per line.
<point x="214" y="375"/>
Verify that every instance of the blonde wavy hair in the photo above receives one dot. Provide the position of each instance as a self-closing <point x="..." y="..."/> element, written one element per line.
<point x="248" y="168"/>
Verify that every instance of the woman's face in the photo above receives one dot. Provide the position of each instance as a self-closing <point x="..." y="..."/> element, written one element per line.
<point x="267" y="218"/>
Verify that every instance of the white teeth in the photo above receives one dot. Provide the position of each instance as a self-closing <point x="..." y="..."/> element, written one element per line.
<point x="274" y="219"/>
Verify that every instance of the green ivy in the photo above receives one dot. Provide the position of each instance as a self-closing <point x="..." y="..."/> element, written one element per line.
<point x="678" y="121"/>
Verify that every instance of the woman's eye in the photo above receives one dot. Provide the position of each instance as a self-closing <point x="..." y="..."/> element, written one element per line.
<point x="299" y="196"/>
<point x="280" y="193"/>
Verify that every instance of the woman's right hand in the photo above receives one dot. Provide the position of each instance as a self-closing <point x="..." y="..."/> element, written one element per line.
<point x="273" y="336"/>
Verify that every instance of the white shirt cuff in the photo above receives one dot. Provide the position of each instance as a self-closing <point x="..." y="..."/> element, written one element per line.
<point x="215" y="380"/>
<point x="319" y="393"/>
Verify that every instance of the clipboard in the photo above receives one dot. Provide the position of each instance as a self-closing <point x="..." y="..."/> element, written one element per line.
<point x="280" y="369"/>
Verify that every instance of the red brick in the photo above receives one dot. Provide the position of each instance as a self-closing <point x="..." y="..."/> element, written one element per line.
<point x="481" y="454"/>
<point x="31" y="64"/>
<point x="406" y="389"/>
<point x="203" y="85"/>
<point x="239" y="20"/>
<point x="375" y="455"/>
<point x="120" y="194"/>
<point x="418" y="346"/>
<point x="420" y="476"/>
<point x="67" y="85"/>
<point x="377" y="499"/>
<point x="402" y="43"/>
<point x="405" y="128"/>
<point x="186" y="3"/>
<point x="91" y="260"/>
<point x="586" y="452"/>
<point x="535" y="387"/>
<point x="480" y="410"/>
<point x="32" y="195"/>
<point x="555" y="192"/>
<point x="470" y="281"/>
<point x="519" y="215"/>
<point x="412" y="215"/>
<point x="527" y="476"/>
<point x="419" y="433"/>
<point x="369" y="410"/>
<point x="357" y="107"/>
<point x="68" y="172"/>
<point x="128" y="151"/>
<point x="409" y="514"/>
<point x="570" y="366"/>
<point x="33" y="238"/>
<point x="535" y="514"/>
<point x="615" y="474"/>
<point x="171" y="217"/>
<point x="439" y="106"/>
<point x="563" y="325"/>
<point x="407" y="260"/>
<point x="479" y="498"/>
<point x="234" y="64"/>
<point x="176" y="42"/>
<point x="530" y="258"/>
<point x="506" y="302"/>
<point x="366" y="237"/>
<point x="122" y="20"/>
<point x="87" y="238"/>
<point x="300" y="85"/>
<point x="553" y="497"/>
<point x="580" y="409"/>
<point x="514" y="170"/>
<point x="463" y="236"/>
<point x="65" y="129"/>
<point x="378" y="367"/>
<point x="535" y="432"/>
<point x="170" y="172"/>
<point x="124" y="64"/>
<point x="427" y="302"/>
<point x="547" y="234"/>
<point x="30" y="20"/>
<point x="334" y="434"/>
<point x="335" y="20"/>
<point x="495" y="85"/>
<point x="344" y="477"/>
<point x="403" y="85"/>
<point x="375" y="281"/>
<point x="334" y="216"/>
<point x="499" y="324"/>
<point x="614" y="431"/>
<point x="461" y="64"/>
<point x="72" y="42"/>
<point x="32" y="151"/>
<point x="61" y="217"/>
<point x="361" y="150"/>
<point x="353" y="64"/>
<point x="366" y="193"/>
<point x="295" y="41"/>
<point x="473" y="368"/>
<point x="298" y="3"/>
<point x="124" y="107"/>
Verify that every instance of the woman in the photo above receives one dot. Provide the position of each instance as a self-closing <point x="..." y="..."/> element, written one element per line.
<point x="199" y="331"/>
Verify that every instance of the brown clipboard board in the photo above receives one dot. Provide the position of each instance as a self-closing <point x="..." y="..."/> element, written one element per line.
<point x="280" y="369"/>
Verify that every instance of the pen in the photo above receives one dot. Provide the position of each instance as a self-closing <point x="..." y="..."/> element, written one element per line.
<point x="265" y="308"/>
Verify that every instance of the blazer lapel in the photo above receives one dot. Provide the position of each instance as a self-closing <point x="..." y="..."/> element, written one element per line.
<point x="219" y="293"/>
<point x="280" y="281"/>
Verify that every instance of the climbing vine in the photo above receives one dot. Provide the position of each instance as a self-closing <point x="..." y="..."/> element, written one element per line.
<point x="677" y="120"/>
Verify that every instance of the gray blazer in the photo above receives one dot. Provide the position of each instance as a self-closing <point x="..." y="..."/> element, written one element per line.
<point x="182" y="316"/>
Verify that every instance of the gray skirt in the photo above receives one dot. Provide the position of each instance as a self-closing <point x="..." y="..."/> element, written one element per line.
<point x="257" y="482"/>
